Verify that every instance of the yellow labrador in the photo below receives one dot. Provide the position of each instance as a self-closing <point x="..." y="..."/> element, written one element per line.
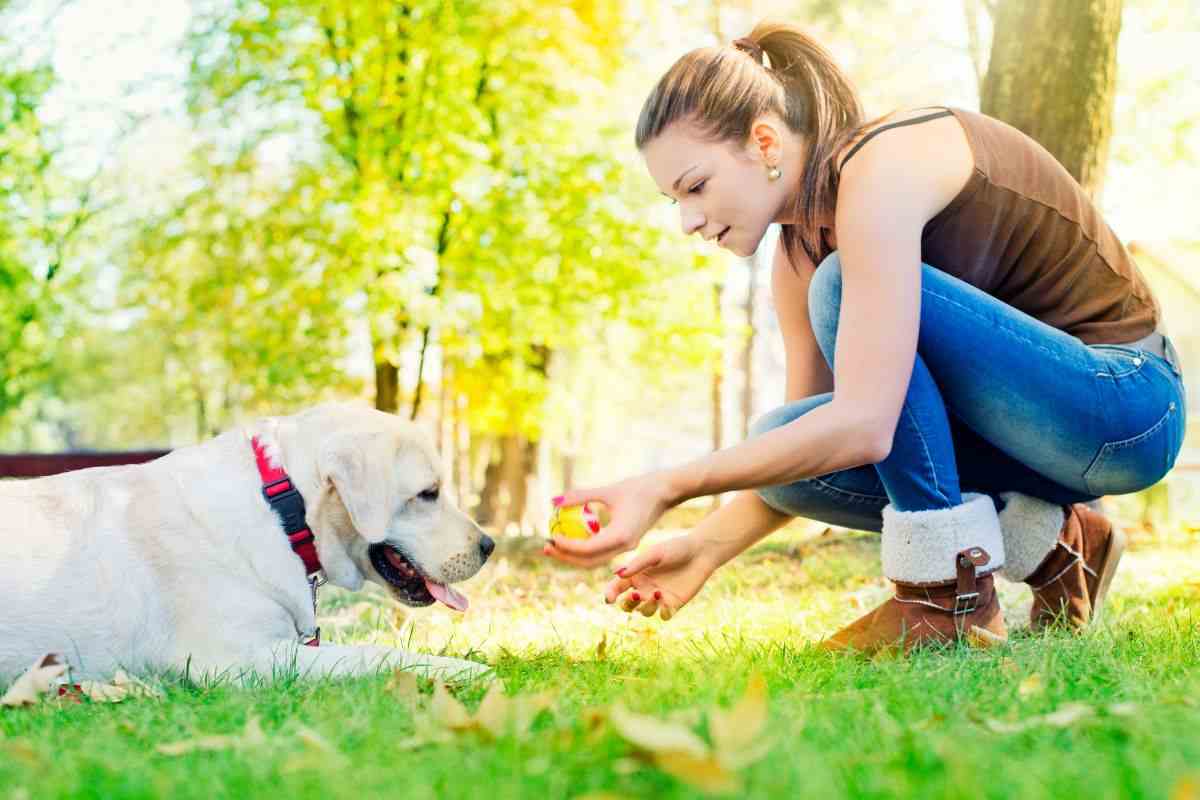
<point x="183" y="563"/>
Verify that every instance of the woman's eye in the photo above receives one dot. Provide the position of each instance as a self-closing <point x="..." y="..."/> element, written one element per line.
<point x="696" y="189"/>
<point x="429" y="495"/>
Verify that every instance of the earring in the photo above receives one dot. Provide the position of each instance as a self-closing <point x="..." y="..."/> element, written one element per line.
<point x="773" y="174"/>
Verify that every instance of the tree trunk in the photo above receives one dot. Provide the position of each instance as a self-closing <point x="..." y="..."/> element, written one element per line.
<point x="387" y="387"/>
<point x="748" y="348"/>
<point x="1053" y="75"/>
<point x="488" y="511"/>
<point x="717" y="382"/>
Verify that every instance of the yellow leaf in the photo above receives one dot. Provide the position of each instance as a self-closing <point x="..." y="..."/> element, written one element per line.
<point x="654" y="735"/>
<point x="404" y="684"/>
<point x="123" y="685"/>
<point x="1186" y="788"/>
<point x="252" y="735"/>
<point x="602" y="648"/>
<point x="738" y="732"/>
<point x="448" y="711"/>
<point x="706" y="773"/>
<point x="1009" y="667"/>
<point x="1030" y="686"/>
<point x="36" y="681"/>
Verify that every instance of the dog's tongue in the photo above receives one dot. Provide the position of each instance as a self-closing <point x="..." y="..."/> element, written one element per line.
<point x="447" y="594"/>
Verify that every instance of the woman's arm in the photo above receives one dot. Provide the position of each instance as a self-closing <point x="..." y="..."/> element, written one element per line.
<point x="887" y="193"/>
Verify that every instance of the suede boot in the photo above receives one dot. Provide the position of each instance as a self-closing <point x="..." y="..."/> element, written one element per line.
<point x="1071" y="579"/>
<point x="940" y="563"/>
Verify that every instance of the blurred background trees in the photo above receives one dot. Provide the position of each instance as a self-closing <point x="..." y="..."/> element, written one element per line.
<point x="226" y="208"/>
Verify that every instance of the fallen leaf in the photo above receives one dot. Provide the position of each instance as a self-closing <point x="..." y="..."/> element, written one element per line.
<point x="1125" y="709"/>
<point x="446" y="709"/>
<point x="1063" y="717"/>
<point x="706" y="773"/>
<point x="36" y="681"/>
<point x="738" y="734"/>
<point x="602" y="648"/>
<point x="251" y="736"/>
<point x="1186" y="788"/>
<point x="404" y="684"/>
<point x="1009" y="667"/>
<point x="654" y="735"/>
<point x="1030" y="686"/>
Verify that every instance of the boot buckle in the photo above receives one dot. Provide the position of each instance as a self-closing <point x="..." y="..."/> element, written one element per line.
<point x="965" y="603"/>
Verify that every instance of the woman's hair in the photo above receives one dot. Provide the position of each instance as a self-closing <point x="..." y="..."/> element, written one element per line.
<point x="723" y="90"/>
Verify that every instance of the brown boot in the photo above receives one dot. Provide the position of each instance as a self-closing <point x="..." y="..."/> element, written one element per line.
<point x="924" y="614"/>
<point x="940" y="562"/>
<point x="1070" y="585"/>
<point x="1076" y="565"/>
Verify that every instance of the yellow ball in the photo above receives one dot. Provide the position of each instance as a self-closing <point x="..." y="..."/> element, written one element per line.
<point x="575" y="522"/>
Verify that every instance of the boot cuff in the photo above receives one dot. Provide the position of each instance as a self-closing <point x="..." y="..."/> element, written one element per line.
<point x="920" y="546"/>
<point x="1030" y="528"/>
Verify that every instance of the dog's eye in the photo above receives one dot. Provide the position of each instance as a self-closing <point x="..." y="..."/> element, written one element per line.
<point x="430" y="494"/>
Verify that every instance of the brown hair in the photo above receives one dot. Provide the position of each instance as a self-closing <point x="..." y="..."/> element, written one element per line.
<point x="725" y="89"/>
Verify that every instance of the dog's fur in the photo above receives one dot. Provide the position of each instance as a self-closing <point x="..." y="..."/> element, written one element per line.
<point x="180" y="563"/>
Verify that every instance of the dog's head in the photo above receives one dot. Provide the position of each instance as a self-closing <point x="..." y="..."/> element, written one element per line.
<point x="383" y="498"/>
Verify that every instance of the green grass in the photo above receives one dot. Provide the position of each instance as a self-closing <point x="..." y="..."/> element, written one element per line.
<point x="838" y="726"/>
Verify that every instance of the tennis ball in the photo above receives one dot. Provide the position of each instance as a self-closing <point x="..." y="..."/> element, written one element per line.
<point x="576" y="522"/>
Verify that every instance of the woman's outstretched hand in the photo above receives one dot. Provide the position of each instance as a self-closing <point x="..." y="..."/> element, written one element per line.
<point x="663" y="578"/>
<point x="634" y="504"/>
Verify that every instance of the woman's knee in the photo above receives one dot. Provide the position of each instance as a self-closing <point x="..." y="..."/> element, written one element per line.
<point x="825" y="300"/>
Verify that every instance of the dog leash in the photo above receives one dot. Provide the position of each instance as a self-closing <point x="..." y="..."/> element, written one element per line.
<point x="286" y="500"/>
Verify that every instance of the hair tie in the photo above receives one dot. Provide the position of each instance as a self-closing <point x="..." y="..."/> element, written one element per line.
<point x="750" y="48"/>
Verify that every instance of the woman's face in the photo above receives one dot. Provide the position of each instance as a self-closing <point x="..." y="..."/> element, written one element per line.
<point x="722" y="188"/>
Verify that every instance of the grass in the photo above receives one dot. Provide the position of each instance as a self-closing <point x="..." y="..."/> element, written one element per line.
<point x="941" y="724"/>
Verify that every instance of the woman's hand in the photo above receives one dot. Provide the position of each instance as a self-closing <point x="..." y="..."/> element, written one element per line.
<point x="663" y="578"/>
<point x="634" y="504"/>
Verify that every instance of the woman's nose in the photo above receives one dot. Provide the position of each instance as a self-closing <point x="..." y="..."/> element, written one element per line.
<point x="690" y="220"/>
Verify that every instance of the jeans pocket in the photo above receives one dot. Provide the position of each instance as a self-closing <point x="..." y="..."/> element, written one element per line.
<point x="1130" y="465"/>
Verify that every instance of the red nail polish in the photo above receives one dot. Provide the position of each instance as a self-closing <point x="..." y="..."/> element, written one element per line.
<point x="635" y="597"/>
<point x="593" y="526"/>
<point x="658" y="595"/>
<point x="558" y="500"/>
<point x="621" y="572"/>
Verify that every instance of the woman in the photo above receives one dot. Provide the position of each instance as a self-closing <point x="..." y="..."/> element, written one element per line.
<point x="972" y="354"/>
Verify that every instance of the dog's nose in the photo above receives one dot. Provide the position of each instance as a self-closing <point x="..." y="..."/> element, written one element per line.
<point x="486" y="545"/>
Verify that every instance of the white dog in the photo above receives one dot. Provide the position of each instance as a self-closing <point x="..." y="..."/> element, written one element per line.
<point x="183" y="563"/>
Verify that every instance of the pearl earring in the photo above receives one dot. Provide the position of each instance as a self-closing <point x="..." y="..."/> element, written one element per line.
<point x="773" y="173"/>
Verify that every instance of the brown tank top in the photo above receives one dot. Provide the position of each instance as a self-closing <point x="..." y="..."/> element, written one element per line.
<point x="1024" y="231"/>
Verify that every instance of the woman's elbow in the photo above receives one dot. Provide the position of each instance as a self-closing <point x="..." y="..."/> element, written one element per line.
<point x="876" y="441"/>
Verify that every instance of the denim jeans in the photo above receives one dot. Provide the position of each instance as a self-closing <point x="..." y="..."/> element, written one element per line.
<point x="998" y="402"/>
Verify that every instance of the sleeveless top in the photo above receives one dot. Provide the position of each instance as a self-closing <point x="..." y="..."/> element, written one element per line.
<point x="1024" y="231"/>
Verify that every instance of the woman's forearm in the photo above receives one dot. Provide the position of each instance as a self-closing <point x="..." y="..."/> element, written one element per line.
<point x="735" y="526"/>
<point x="824" y="440"/>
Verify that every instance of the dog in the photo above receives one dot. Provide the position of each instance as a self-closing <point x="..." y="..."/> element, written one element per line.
<point x="191" y="562"/>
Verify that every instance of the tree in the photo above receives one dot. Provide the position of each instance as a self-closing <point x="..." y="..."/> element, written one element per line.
<point x="1053" y="73"/>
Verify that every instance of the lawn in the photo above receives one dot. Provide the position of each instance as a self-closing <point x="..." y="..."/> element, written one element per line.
<point x="1113" y="713"/>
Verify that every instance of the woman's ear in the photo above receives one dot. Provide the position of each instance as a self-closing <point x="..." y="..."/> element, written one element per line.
<point x="766" y="141"/>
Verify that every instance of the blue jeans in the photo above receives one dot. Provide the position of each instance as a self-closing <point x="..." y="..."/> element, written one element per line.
<point x="998" y="402"/>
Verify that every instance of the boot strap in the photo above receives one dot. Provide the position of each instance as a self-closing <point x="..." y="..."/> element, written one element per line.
<point x="966" y="597"/>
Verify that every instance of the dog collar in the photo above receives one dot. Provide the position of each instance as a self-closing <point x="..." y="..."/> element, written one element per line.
<point x="285" y="498"/>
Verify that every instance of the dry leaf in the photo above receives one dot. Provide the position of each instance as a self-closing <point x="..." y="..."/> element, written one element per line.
<point x="251" y="736"/>
<point x="404" y="684"/>
<point x="602" y="648"/>
<point x="1186" y="788"/>
<point x="706" y="773"/>
<point x="655" y="736"/>
<point x="36" y="681"/>
<point x="738" y="734"/>
<point x="497" y="714"/>
<point x="1030" y="686"/>
<point x="1009" y="667"/>
<point x="1063" y="717"/>
<point x="984" y="639"/>
<point x="448" y="711"/>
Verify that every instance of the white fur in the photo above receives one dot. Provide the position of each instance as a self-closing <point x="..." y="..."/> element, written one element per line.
<point x="1030" y="528"/>
<point x="920" y="546"/>
<point x="181" y="563"/>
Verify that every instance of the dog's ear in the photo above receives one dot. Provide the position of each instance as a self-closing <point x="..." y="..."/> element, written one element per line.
<point x="362" y="480"/>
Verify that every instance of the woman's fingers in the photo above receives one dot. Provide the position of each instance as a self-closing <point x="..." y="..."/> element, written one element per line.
<point x="577" y="497"/>
<point x="607" y="543"/>
<point x="614" y="589"/>
<point x="576" y="561"/>
<point x="652" y="557"/>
